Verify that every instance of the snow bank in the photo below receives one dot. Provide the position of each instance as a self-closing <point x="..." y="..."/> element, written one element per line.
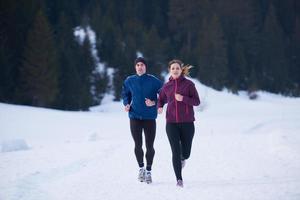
<point x="14" y="145"/>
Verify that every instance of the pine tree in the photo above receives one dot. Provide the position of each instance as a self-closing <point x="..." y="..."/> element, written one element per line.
<point x="184" y="17"/>
<point x="239" y="72"/>
<point x="6" y="69"/>
<point x="213" y="63"/>
<point x="253" y="83"/>
<point x="154" y="49"/>
<point x="274" y="62"/>
<point x="85" y="68"/>
<point x="69" y="80"/>
<point x="295" y="55"/>
<point x="286" y="12"/>
<point x="6" y="65"/>
<point x="247" y="43"/>
<point x="39" y="73"/>
<point x="15" y="18"/>
<point x="241" y="22"/>
<point x="130" y="41"/>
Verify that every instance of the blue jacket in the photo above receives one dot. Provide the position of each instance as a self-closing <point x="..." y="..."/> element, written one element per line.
<point x="135" y="89"/>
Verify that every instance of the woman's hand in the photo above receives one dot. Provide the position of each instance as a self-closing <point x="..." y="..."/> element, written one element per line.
<point x="160" y="110"/>
<point x="178" y="97"/>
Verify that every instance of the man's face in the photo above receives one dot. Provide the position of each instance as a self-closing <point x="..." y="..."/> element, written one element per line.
<point x="140" y="68"/>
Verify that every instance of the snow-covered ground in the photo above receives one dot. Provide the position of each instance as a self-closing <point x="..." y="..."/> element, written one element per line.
<point x="242" y="150"/>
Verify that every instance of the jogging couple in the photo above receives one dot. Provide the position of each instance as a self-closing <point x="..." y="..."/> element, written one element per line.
<point x="139" y="94"/>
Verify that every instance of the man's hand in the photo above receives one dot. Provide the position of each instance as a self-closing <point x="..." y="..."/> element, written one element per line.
<point x="149" y="103"/>
<point x="127" y="108"/>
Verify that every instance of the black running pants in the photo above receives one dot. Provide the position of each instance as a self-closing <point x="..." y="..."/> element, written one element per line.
<point x="149" y="127"/>
<point x="180" y="136"/>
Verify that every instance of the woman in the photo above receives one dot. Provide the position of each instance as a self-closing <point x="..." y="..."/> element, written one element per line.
<point x="181" y="95"/>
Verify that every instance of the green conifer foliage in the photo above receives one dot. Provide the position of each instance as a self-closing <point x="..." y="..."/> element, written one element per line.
<point x="39" y="73"/>
<point x="274" y="71"/>
<point x="212" y="51"/>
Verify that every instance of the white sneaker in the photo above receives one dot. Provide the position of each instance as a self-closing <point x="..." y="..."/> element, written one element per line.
<point x="148" y="177"/>
<point x="179" y="183"/>
<point x="141" y="176"/>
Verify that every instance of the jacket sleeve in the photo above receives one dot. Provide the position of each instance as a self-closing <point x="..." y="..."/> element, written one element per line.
<point x="162" y="98"/>
<point x="160" y="84"/>
<point x="126" y="94"/>
<point x="193" y="98"/>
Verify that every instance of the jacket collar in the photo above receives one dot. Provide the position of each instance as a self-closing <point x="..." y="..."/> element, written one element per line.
<point x="141" y="76"/>
<point x="180" y="78"/>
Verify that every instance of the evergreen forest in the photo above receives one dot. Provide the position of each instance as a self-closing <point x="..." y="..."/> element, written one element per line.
<point x="246" y="45"/>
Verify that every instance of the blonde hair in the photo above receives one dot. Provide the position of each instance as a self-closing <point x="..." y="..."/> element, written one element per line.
<point x="185" y="68"/>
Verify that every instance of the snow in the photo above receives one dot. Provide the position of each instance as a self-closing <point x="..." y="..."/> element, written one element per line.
<point x="81" y="33"/>
<point x="242" y="150"/>
<point x="14" y="145"/>
<point x="139" y="54"/>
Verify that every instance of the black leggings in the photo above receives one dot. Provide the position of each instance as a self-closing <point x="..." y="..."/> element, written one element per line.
<point x="180" y="136"/>
<point x="149" y="127"/>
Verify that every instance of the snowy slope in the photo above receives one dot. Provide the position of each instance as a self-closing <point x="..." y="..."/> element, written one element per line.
<point x="242" y="150"/>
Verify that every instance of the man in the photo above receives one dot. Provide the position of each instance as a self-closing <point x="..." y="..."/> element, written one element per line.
<point x="139" y="96"/>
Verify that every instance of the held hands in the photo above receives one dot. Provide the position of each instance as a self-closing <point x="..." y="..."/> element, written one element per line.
<point x="127" y="108"/>
<point x="178" y="97"/>
<point x="149" y="103"/>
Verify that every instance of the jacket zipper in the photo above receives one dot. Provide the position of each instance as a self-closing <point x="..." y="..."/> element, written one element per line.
<point x="176" y="106"/>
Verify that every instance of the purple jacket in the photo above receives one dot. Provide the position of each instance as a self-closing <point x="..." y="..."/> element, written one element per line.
<point x="179" y="111"/>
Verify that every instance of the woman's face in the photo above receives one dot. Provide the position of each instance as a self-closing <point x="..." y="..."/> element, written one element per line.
<point x="175" y="70"/>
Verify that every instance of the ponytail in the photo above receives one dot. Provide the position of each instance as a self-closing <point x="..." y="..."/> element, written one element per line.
<point x="186" y="70"/>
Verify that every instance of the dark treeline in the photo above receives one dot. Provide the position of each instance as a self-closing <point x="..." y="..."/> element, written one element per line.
<point x="240" y="45"/>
